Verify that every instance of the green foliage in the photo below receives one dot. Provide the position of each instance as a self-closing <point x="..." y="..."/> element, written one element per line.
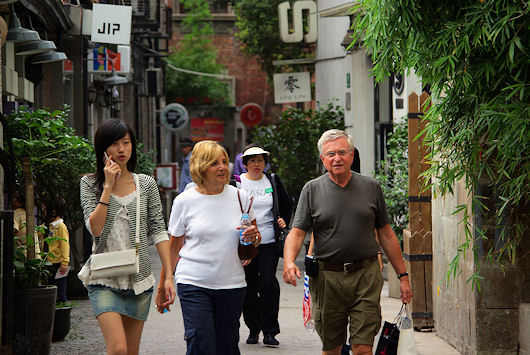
<point x="258" y="31"/>
<point x="144" y="160"/>
<point x="475" y="56"/>
<point x="393" y="175"/>
<point x="196" y="52"/>
<point x="293" y="143"/>
<point x="31" y="273"/>
<point x="58" y="159"/>
<point x="59" y="305"/>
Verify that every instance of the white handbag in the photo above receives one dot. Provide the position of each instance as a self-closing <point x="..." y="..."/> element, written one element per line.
<point x="115" y="263"/>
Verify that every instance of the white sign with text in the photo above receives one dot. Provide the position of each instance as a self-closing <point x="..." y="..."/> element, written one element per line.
<point x="295" y="32"/>
<point x="292" y="87"/>
<point x="111" y="24"/>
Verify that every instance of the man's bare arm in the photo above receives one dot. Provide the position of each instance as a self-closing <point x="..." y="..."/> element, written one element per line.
<point x="291" y="249"/>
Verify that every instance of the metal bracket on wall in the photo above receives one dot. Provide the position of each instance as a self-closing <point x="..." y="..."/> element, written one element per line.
<point x="419" y="198"/>
<point x="421" y="315"/>
<point x="417" y="257"/>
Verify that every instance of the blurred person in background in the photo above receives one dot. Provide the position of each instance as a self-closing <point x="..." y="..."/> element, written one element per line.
<point x="186" y="146"/>
<point x="273" y="212"/>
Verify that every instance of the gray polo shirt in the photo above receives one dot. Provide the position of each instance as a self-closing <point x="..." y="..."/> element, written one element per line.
<point x="343" y="220"/>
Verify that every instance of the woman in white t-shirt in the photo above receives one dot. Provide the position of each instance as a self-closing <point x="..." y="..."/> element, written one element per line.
<point x="204" y="227"/>
<point x="273" y="212"/>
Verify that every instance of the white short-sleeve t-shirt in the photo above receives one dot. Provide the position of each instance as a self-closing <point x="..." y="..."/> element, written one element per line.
<point x="262" y="191"/>
<point x="209" y="225"/>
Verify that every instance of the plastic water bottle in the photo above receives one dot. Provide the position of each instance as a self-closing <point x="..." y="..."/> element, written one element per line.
<point x="309" y="321"/>
<point x="245" y="222"/>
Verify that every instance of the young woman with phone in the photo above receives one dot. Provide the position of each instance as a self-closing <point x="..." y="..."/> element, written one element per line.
<point x="108" y="197"/>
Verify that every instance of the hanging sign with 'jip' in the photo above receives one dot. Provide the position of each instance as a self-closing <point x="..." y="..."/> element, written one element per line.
<point x="111" y="24"/>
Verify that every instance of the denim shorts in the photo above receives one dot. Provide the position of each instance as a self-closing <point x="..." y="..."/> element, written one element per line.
<point x="125" y="302"/>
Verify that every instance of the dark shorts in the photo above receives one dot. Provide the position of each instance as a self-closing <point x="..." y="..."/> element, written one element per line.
<point x="125" y="302"/>
<point x="340" y="298"/>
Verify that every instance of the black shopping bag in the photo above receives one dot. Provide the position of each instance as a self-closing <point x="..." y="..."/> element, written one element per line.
<point x="388" y="341"/>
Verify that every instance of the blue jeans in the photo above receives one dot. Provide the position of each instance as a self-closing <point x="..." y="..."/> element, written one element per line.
<point x="211" y="319"/>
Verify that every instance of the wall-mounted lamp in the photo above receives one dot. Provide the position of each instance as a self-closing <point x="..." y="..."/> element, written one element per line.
<point x="115" y="79"/>
<point x="49" y="57"/>
<point x="91" y="94"/>
<point x="108" y="97"/>
<point x="36" y="47"/>
<point x="17" y="33"/>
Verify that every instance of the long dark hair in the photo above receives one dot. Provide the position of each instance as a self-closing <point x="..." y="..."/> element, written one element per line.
<point x="109" y="132"/>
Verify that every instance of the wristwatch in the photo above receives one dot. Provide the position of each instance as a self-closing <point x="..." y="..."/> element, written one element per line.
<point x="402" y="275"/>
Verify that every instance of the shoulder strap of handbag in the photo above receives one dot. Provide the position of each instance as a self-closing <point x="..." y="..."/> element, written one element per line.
<point x="275" y="206"/>
<point x="241" y="205"/>
<point x="239" y="199"/>
<point x="138" y="189"/>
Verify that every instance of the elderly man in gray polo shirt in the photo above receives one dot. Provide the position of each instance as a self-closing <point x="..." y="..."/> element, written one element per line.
<point x="343" y="209"/>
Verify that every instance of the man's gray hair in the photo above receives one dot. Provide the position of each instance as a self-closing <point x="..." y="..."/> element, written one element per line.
<point x="331" y="135"/>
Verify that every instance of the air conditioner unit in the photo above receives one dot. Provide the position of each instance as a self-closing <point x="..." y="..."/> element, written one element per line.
<point x="152" y="9"/>
<point x="154" y="82"/>
<point x="138" y="6"/>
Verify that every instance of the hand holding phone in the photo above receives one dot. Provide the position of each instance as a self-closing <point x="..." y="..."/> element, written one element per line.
<point x="112" y="162"/>
<point x="107" y="158"/>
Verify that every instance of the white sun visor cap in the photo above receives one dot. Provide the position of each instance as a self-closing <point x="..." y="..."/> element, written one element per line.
<point x="254" y="151"/>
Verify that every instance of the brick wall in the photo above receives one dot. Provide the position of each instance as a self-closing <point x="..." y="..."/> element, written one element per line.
<point x="50" y="90"/>
<point x="251" y="81"/>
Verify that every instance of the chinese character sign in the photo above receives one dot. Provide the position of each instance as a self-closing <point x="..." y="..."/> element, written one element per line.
<point x="292" y="87"/>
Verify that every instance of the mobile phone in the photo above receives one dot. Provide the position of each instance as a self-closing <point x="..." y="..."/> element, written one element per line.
<point x="107" y="157"/>
<point x="111" y="161"/>
<point x="311" y="266"/>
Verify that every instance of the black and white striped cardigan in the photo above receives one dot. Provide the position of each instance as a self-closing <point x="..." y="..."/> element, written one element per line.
<point x="152" y="225"/>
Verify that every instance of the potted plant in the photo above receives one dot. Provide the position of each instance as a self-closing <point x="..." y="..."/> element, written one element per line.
<point x="45" y="158"/>
<point x="61" y="324"/>
<point x="34" y="301"/>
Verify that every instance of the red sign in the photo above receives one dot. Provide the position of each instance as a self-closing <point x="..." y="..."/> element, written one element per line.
<point x="251" y="114"/>
<point x="207" y="128"/>
<point x="68" y="66"/>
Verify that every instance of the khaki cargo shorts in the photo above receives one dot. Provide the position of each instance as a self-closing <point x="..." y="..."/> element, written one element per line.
<point x="342" y="297"/>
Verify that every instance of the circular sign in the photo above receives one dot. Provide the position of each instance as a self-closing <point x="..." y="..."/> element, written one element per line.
<point x="251" y="114"/>
<point x="398" y="83"/>
<point x="174" y="117"/>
